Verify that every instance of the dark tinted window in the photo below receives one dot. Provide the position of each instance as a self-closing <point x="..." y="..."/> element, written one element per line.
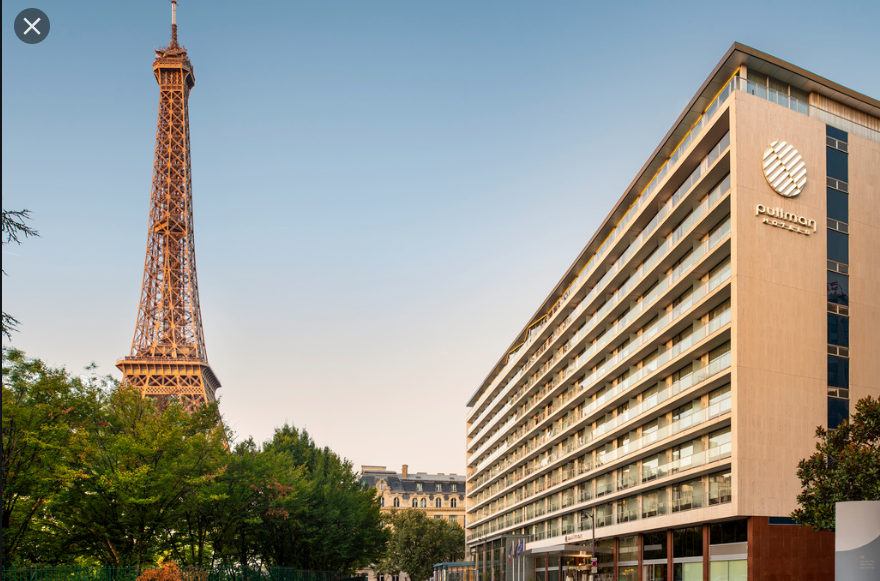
<point x="728" y="532"/>
<point x="838" y="205"/>
<point x="835" y="133"/>
<point x="838" y="288"/>
<point x="837" y="164"/>
<point x="655" y="545"/>
<point x="838" y="330"/>
<point x="838" y="410"/>
<point x="687" y="542"/>
<point x="838" y="372"/>
<point x="838" y="247"/>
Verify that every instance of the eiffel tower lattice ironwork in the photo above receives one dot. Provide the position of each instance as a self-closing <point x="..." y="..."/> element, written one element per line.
<point x="168" y="359"/>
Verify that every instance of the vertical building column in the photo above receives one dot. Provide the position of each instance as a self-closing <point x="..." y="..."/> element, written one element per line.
<point x="616" y="558"/>
<point x="705" y="551"/>
<point x="641" y="557"/>
<point x="669" y="553"/>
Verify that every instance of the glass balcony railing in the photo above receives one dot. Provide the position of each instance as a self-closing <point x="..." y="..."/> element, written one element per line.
<point x="696" y="254"/>
<point x="699" y="291"/>
<point x="672" y="202"/>
<point x="695" y="419"/>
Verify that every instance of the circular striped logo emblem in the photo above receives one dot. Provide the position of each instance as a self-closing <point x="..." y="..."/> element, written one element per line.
<point x="784" y="169"/>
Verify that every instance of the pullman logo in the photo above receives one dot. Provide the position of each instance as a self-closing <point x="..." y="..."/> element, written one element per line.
<point x="784" y="169"/>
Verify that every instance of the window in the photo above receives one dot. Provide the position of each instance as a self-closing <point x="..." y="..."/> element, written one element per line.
<point x="453" y="518"/>
<point x="438" y="487"/>
<point x="654" y="503"/>
<point x="838" y="330"/>
<point x="654" y="546"/>
<point x="836" y="164"/>
<point x="380" y="485"/>
<point x="419" y="486"/>
<point x="628" y="509"/>
<point x="724" y="533"/>
<point x="719" y="488"/>
<point x="718" y="396"/>
<point x="683" y="455"/>
<point x="728" y="570"/>
<point x="381" y="502"/>
<point x="838" y="410"/>
<point x="654" y="467"/>
<point x="687" y="495"/>
<point x="838" y="288"/>
<point x="438" y="503"/>
<point x="719" y="352"/>
<point x="838" y="372"/>
<point x="424" y="503"/>
<point x="685" y="410"/>
<point x="415" y="502"/>
<point x="837" y="205"/>
<point x="437" y="516"/>
<point x="838" y="247"/>
<point x="688" y="543"/>
<point x="719" y="444"/>
<point x="452" y="502"/>
<point x="453" y="487"/>
<point x="627" y="476"/>
<point x="396" y="503"/>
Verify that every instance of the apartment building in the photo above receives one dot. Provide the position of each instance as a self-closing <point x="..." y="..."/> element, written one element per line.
<point x="437" y="495"/>
<point x="650" y="415"/>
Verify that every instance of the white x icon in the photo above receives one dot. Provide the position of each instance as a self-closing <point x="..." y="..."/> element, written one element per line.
<point x="32" y="26"/>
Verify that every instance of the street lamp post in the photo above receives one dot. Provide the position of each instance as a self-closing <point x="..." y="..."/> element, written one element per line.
<point x="592" y="515"/>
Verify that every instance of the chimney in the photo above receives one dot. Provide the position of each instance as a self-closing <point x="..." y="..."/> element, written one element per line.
<point x="405" y="471"/>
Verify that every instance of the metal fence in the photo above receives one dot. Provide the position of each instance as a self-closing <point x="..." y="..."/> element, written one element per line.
<point x="187" y="573"/>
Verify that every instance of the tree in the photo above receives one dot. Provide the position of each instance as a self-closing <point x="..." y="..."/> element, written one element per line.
<point x="418" y="543"/>
<point x="338" y="526"/>
<point x="845" y="467"/>
<point x="44" y="413"/>
<point x="133" y="474"/>
<point x="13" y="230"/>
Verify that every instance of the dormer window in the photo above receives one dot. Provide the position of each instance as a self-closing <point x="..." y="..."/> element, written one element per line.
<point x="419" y="486"/>
<point x="438" y="487"/>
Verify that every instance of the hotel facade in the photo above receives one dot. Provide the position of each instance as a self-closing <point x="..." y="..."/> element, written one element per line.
<point x="660" y="398"/>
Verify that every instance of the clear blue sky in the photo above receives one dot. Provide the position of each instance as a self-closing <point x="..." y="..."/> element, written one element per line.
<point x="384" y="191"/>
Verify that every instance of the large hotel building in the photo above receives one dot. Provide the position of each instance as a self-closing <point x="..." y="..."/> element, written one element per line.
<point x="660" y="398"/>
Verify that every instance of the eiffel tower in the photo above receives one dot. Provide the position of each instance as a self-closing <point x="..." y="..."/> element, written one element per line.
<point x="168" y="359"/>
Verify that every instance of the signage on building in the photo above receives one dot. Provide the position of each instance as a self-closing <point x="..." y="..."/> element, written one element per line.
<point x="784" y="169"/>
<point x="574" y="537"/>
<point x="786" y="220"/>
<point x="786" y="173"/>
<point x="857" y="541"/>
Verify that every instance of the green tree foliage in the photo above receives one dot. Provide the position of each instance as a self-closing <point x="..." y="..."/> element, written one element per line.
<point x="94" y="473"/>
<point x="418" y="543"/>
<point x="337" y="525"/>
<point x="845" y="467"/>
<point x="135" y="473"/>
<point x="45" y="413"/>
<point x="13" y="230"/>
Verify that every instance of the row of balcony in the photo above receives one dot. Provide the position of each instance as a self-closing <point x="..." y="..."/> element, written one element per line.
<point x="700" y="290"/>
<point x="700" y="417"/>
<point x="648" y="300"/>
<point x="647" y="505"/>
<point x="673" y="201"/>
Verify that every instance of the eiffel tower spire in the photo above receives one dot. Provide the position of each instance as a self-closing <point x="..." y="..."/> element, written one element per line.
<point x="168" y="359"/>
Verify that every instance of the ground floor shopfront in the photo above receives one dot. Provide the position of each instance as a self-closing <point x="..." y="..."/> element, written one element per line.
<point x="747" y="549"/>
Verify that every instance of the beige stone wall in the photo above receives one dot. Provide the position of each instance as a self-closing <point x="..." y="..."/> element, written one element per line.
<point x="864" y="256"/>
<point x="779" y="301"/>
<point x="780" y="324"/>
